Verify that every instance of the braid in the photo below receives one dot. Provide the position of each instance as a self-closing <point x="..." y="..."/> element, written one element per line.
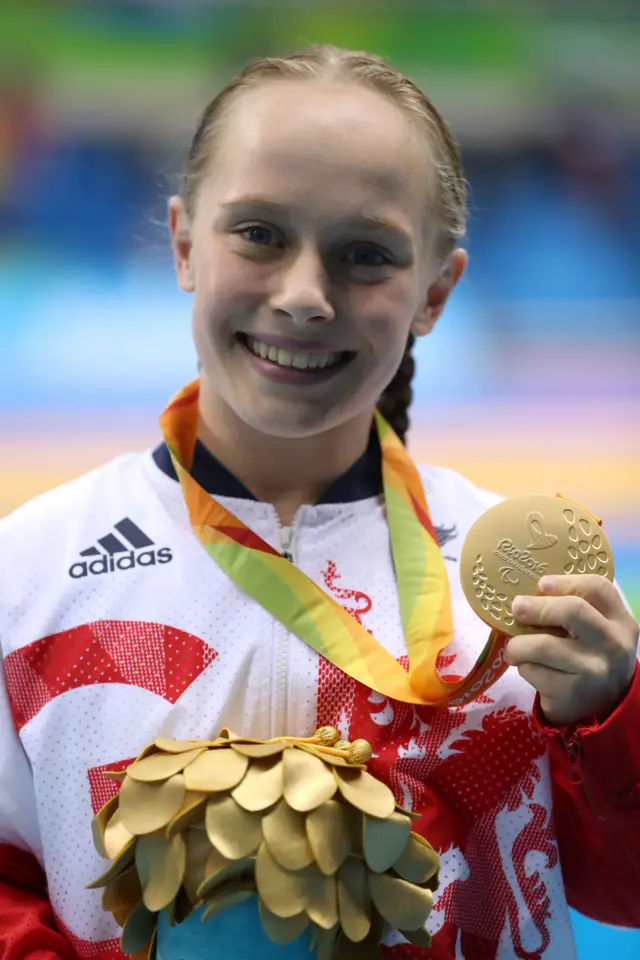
<point x="395" y="401"/>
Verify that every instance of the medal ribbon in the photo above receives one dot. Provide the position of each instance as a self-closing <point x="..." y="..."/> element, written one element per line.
<point x="312" y="614"/>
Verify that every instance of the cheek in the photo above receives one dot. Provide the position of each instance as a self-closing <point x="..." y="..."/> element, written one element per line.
<point x="384" y="315"/>
<point x="225" y="286"/>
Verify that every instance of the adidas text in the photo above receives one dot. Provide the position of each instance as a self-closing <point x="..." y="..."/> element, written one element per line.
<point x="127" y="561"/>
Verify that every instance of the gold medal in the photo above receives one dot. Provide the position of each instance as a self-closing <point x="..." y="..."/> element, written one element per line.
<point x="511" y="546"/>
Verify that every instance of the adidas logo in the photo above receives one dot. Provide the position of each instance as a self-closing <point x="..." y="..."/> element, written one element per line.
<point x="117" y="552"/>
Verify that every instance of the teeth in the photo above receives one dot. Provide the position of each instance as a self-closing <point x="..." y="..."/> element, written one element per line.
<point x="285" y="358"/>
<point x="282" y="357"/>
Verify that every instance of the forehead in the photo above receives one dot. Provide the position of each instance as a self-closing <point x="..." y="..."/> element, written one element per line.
<point x="329" y="144"/>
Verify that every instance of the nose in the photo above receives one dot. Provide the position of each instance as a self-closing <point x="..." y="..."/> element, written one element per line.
<point x="302" y="292"/>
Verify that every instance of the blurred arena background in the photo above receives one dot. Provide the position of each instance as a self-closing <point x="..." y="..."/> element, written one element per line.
<point x="531" y="383"/>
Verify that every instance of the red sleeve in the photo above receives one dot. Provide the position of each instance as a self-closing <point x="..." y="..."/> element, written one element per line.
<point x="595" y="772"/>
<point x="27" y="927"/>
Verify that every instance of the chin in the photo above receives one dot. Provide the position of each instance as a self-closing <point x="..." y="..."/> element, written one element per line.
<point x="295" y="422"/>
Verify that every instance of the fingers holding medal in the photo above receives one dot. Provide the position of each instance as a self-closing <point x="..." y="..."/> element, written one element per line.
<point x="540" y="569"/>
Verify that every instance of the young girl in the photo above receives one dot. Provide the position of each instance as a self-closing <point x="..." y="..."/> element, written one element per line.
<point x="318" y="231"/>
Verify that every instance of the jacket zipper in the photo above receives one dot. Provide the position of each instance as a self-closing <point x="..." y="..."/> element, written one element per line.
<point x="279" y="712"/>
<point x="286" y="545"/>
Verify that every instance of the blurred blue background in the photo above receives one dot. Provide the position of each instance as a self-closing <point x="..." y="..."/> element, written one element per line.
<point x="531" y="381"/>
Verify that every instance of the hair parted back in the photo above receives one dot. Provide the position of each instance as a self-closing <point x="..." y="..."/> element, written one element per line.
<point x="330" y="63"/>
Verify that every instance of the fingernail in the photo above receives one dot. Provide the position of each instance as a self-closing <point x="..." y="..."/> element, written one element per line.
<point x="546" y="584"/>
<point x="520" y="606"/>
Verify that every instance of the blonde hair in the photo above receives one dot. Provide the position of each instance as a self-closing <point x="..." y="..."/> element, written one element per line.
<point x="330" y="63"/>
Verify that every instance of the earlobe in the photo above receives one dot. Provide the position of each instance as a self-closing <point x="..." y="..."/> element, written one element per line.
<point x="180" y="231"/>
<point x="439" y="292"/>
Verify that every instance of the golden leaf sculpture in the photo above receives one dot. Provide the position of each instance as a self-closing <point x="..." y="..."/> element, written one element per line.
<point x="297" y="822"/>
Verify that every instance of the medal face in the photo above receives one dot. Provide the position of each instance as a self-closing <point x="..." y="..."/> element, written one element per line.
<point x="511" y="546"/>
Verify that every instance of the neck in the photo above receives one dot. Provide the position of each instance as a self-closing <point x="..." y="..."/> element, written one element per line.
<point x="285" y="472"/>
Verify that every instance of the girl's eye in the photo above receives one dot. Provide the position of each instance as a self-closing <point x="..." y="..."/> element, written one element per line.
<point x="261" y="236"/>
<point x="366" y="256"/>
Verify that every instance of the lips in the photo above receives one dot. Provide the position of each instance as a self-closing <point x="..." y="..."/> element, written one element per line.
<point x="292" y="354"/>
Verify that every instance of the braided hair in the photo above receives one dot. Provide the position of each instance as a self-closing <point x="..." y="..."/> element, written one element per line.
<point x="395" y="401"/>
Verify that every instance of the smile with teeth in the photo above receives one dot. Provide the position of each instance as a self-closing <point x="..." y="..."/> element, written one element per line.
<point x="290" y="358"/>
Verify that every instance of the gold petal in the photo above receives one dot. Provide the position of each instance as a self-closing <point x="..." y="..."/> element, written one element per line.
<point x="262" y="785"/>
<point x="147" y="807"/>
<point x="235" y="832"/>
<point x="326" y="943"/>
<point x="408" y="813"/>
<point x="258" y="751"/>
<point x="229" y="735"/>
<point x="419" y="938"/>
<point x="123" y="892"/>
<point x="280" y="930"/>
<point x="118" y="866"/>
<point x="138" y="930"/>
<point x="215" y="771"/>
<point x="228" y="896"/>
<point x="116" y="836"/>
<point x="215" y="865"/>
<point x="180" y="746"/>
<point x="191" y="811"/>
<point x="121" y="915"/>
<point x="99" y="823"/>
<point x="160" y="862"/>
<point x="329" y="835"/>
<point x="354" y="902"/>
<point x="282" y="892"/>
<point x="220" y="871"/>
<point x="161" y="766"/>
<point x="402" y="904"/>
<point x="355" y="825"/>
<point x="146" y="752"/>
<point x="385" y="840"/>
<point x="322" y="899"/>
<point x="418" y="862"/>
<point x="149" y="952"/>
<point x="308" y="782"/>
<point x="365" y="792"/>
<point x="116" y="775"/>
<point x="198" y="852"/>
<point x="284" y="832"/>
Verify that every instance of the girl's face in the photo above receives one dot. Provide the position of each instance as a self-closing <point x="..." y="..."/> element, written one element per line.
<point x="310" y="256"/>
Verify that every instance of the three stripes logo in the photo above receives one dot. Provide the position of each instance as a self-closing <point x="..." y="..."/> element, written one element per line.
<point x="130" y="548"/>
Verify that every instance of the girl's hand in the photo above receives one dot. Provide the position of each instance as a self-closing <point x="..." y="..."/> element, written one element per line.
<point x="583" y="666"/>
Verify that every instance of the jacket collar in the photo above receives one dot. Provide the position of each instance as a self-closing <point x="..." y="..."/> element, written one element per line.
<point x="361" y="481"/>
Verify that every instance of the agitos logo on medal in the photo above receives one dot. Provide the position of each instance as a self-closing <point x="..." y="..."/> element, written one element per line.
<point x="513" y="544"/>
<point x="132" y="548"/>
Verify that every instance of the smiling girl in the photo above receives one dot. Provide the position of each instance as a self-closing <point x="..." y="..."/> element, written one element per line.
<point x="318" y="232"/>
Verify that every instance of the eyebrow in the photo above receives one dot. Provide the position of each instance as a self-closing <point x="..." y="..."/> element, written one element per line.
<point x="357" y="221"/>
<point x="368" y="222"/>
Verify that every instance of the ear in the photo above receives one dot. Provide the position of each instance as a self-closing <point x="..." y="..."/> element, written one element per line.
<point x="181" y="244"/>
<point x="439" y="292"/>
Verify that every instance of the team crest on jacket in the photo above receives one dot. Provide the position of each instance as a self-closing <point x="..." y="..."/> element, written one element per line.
<point x="127" y="549"/>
